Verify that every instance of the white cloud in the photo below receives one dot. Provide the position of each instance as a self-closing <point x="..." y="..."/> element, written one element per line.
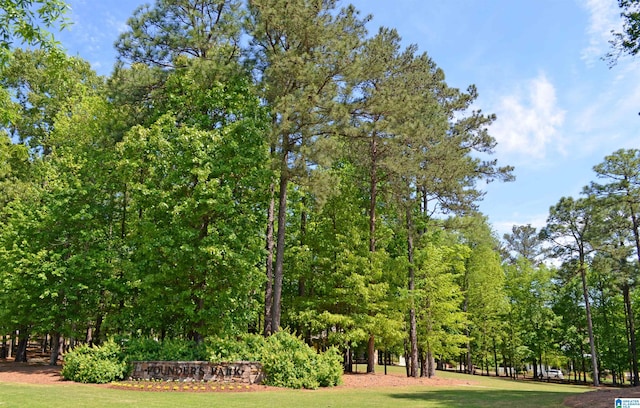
<point x="603" y="17"/>
<point x="528" y="120"/>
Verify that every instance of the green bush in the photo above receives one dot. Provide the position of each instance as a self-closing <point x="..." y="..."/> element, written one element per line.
<point x="146" y="349"/>
<point x="287" y="361"/>
<point x="329" y="368"/>
<point x="98" y="364"/>
<point x="243" y="348"/>
<point x="142" y="349"/>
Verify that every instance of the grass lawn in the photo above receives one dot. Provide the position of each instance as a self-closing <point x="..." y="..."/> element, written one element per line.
<point x="486" y="392"/>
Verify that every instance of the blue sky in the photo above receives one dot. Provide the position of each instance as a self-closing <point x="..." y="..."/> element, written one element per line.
<point x="536" y="63"/>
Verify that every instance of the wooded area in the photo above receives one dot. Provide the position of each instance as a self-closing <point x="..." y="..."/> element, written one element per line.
<point x="267" y="165"/>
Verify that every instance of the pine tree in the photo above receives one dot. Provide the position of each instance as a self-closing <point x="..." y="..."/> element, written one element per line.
<point x="302" y="51"/>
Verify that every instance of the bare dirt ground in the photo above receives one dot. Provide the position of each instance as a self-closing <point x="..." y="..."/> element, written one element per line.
<point x="40" y="373"/>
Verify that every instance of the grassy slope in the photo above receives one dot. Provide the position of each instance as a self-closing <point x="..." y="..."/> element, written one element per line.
<point x="487" y="392"/>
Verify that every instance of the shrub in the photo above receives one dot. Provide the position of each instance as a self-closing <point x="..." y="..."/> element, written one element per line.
<point x="246" y="347"/>
<point x="287" y="361"/>
<point x="142" y="349"/>
<point x="97" y="364"/>
<point x="329" y="368"/>
<point x="146" y="349"/>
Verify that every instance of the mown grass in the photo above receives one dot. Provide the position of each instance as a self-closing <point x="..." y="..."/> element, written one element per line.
<point x="480" y="392"/>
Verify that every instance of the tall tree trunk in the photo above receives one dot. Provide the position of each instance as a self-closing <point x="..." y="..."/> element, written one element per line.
<point x="268" y="292"/>
<point x="584" y="364"/>
<point x="88" y="338"/>
<point x="407" y="359"/>
<point x="97" y="333"/>
<point x="374" y="194"/>
<point x="55" y="349"/>
<point x="467" y="332"/>
<point x="505" y="364"/>
<point x="592" y="343"/>
<point x="633" y="351"/>
<point x="44" y="343"/>
<point x="371" y="355"/>
<point x="348" y="360"/>
<point x="13" y="344"/>
<point x="413" y="330"/>
<point x="279" y="266"/>
<point x="21" y="351"/>
<point x="431" y="363"/>
<point x="302" y="280"/>
<point x="199" y="290"/>
<point x="495" y="356"/>
<point x="371" y="367"/>
<point x="468" y="362"/>
<point x="632" y="333"/>
<point x="628" y="338"/>
<point x="543" y="369"/>
<point x="303" y="233"/>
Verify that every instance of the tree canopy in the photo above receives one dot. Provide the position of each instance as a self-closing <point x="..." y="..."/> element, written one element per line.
<point x="251" y="167"/>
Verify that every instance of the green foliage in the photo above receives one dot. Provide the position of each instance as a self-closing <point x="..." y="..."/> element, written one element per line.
<point x="167" y="32"/>
<point x="329" y="368"/>
<point x="95" y="364"/>
<point x="530" y="317"/>
<point x="156" y="193"/>
<point x="53" y="246"/>
<point x="44" y="86"/>
<point x="246" y="347"/>
<point x="196" y="177"/>
<point x="286" y="360"/>
<point x="147" y="349"/>
<point x="627" y="40"/>
<point x="27" y="22"/>
<point x="441" y="322"/>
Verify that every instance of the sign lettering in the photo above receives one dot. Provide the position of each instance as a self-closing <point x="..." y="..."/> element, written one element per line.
<point x="240" y="372"/>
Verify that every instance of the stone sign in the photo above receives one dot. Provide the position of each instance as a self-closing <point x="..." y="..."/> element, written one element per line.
<point x="245" y="372"/>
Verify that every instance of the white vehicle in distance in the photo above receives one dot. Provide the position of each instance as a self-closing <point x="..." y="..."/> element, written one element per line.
<point x="552" y="373"/>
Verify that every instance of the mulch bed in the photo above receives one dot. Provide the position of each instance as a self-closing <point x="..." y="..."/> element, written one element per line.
<point x="40" y="373"/>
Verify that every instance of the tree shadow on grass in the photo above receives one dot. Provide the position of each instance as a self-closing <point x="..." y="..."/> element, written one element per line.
<point x="468" y="398"/>
<point x="29" y="368"/>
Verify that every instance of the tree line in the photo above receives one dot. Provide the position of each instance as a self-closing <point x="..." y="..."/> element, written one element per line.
<point x="267" y="165"/>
